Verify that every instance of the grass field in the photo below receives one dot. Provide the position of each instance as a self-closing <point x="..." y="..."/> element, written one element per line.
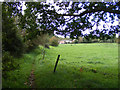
<point x="93" y="65"/>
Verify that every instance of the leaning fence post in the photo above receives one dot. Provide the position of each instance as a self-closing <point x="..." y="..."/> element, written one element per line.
<point x="56" y="63"/>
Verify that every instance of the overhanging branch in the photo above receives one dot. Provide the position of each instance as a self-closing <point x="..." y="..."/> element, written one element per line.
<point x="92" y="11"/>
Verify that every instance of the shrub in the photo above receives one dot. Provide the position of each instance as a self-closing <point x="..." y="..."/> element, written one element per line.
<point x="29" y="46"/>
<point x="43" y="40"/>
<point x="47" y="46"/>
<point x="117" y="40"/>
<point x="12" y="43"/>
<point x="80" y="39"/>
<point x="75" y="41"/>
<point x="8" y="63"/>
<point x="54" y="41"/>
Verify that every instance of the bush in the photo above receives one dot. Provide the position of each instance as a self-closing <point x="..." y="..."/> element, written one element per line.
<point x="117" y="40"/>
<point x="54" y="41"/>
<point x="47" y="46"/>
<point x="29" y="46"/>
<point x="8" y="63"/>
<point x="80" y="39"/>
<point x="42" y="39"/>
<point x="75" y="41"/>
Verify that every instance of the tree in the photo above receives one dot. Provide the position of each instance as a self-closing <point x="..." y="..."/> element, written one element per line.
<point x="50" y="20"/>
<point x="11" y="41"/>
<point x="46" y="17"/>
<point x="12" y="45"/>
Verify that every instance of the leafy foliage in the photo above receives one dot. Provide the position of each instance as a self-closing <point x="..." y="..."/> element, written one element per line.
<point x="54" y="41"/>
<point x="45" y="16"/>
<point x="42" y="39"/>
<point x="12" y="45"/>
<point x="39" y="40"/>
<point x="8" y="64"/>
<point x="80" y="39"/>
<point x="11" y="41"/>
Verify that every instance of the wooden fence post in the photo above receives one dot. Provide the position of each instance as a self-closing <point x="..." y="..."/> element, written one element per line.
<point x="56" y="63"/>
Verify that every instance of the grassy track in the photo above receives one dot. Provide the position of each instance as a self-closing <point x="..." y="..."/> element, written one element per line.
<point x="92" y="65"/>
<point x="20" y="77"/>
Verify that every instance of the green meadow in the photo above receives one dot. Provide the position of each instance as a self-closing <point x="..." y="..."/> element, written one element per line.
<point x="93" y="65"/>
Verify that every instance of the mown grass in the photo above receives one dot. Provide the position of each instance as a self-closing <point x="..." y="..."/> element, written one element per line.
<point x="102" y="57"/>
<point x="99" y="57"/>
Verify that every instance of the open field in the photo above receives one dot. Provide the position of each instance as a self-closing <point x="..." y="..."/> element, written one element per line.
<point x="93" y="65"/>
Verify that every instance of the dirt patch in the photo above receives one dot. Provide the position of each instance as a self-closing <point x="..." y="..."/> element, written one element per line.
<point x="32" y="79"/>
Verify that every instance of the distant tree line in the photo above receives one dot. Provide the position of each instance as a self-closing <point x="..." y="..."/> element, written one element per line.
<point x="87" y="39"/>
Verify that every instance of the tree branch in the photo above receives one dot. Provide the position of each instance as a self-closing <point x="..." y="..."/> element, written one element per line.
<point x="109" y="9"/>
<point x="92" y="11"/>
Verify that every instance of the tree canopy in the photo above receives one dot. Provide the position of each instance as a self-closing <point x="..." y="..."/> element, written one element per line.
<point x="75" y="17"/>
